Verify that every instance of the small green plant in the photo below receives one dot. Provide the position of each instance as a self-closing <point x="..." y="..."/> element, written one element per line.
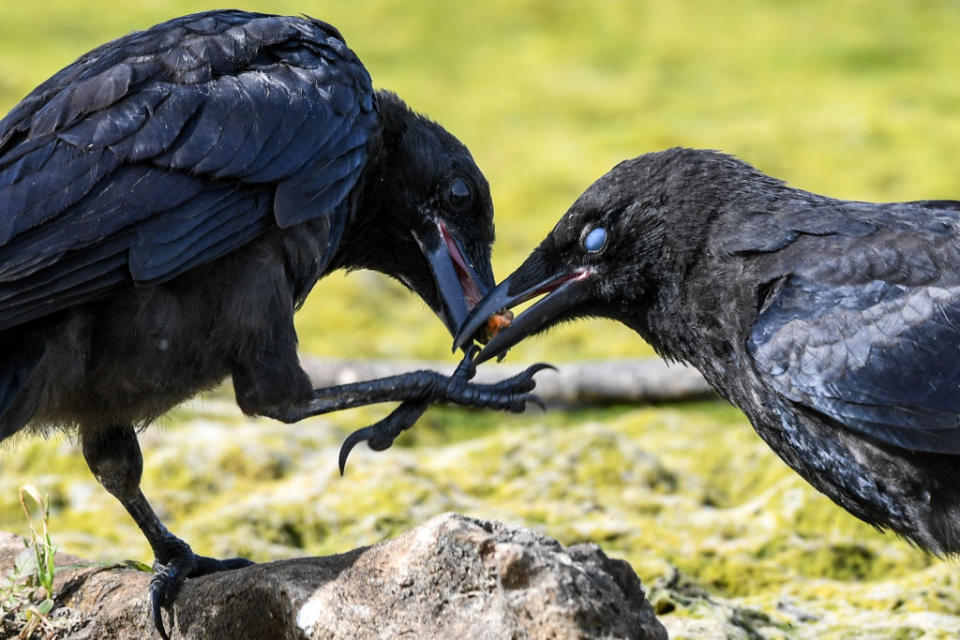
<point x="43" y="549"/>
<point x="26" y="592"/>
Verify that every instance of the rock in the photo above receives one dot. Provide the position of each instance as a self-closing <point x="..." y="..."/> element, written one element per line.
<point x="452" y="577"/>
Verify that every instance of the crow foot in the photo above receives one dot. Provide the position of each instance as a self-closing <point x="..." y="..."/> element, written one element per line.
<point x="511" y="394"/>
<point x="170" y="575"/>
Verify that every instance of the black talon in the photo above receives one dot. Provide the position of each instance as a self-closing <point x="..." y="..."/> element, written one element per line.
<point x="157" y="597"/>
<point x="524" y="380"/>
<point x="353" y="440"/>
<point x="380" y="435"/>
<point x="535" y="399"/>
<point x="540" y="366"/>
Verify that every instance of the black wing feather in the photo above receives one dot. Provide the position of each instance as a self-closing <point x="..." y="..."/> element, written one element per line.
<point x="197" y="232"/>
<point x="874" y="341"/>
<point x="172" y="147"/>
<point x="99" y="216"/>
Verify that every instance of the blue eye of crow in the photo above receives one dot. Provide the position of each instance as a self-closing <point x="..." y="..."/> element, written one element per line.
<point x="460" y="194"/>
<point x="595" y="240"/>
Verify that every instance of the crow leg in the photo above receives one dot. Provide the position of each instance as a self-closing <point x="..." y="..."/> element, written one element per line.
<point x="423" y="387"/>
<point x="380" y="436"/>
<point x="114" y="457"/>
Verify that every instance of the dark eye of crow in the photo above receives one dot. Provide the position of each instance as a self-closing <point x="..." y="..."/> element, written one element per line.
<point x="460" y="194"/>
<point x="595" y="240"/>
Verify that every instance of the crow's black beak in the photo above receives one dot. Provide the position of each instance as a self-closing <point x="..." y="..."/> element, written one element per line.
<point x="564" y="292"/>
<point x="458" y="285"/>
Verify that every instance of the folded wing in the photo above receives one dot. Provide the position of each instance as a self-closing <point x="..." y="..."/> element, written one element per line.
<point x="172" y="147"/>
<point x="874" y="341"/>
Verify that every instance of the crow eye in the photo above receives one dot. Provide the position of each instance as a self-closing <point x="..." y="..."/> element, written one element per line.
<point x="460" y="194"/>
<point x="595" y="240"/>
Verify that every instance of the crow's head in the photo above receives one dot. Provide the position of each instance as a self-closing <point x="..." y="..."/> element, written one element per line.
<point x="433" y="224"/>
<point x="606" y="256"/>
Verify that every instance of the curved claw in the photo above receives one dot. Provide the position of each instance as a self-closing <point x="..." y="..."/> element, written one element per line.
<point x="537" y="400"/>
<point x="524" y="380"/>
<point x="540" y="366"/>
<point x="160" y="588"/>
<point x="518" y="403"/>
<point x="353" y="440"/>
<point x="380" y="435"/>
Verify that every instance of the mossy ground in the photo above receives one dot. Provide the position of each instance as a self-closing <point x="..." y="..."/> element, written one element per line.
<point x="856" y="99"/>
<point x="729" y="537"/>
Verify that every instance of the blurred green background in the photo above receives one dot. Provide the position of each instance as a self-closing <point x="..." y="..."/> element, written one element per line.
<point x="857" y="99"/>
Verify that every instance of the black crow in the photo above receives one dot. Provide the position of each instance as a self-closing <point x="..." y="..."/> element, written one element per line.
<point x="834" y="325"/>
<point x="168" y="200"/>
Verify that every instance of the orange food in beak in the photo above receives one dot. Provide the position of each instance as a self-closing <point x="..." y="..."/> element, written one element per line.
<point x="497" y="323"/>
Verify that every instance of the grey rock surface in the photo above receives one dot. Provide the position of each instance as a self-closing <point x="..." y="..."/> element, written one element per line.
<point x="452" y="577"/>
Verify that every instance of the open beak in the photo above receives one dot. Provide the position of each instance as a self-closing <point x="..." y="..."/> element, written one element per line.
<point x="565" y="291"/>
<point x="458" y="284"/>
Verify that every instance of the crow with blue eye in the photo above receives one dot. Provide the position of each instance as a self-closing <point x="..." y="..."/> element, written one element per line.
<point x="834" y="325"/>
<point x="594" y="241"/>
<point x="168" y="201"/>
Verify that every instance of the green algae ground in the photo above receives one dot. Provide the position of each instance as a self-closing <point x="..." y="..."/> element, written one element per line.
<point x="733" y="543"/>
<point x="856" y="99"/>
